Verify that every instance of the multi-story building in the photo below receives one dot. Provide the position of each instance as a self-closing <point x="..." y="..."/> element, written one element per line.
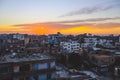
<point x="89" y="42"/>
<point x="55" y="38"/>
<point x="117" y="44"/>
<point x="94" y="41"/>
<point x="27" y="67"/>
<point x="102" y="61"/>
<point x="119" y="38"/>
<point x="105" y="43"/>
<point x="71" y="46"/>
<point x="18" y="36"/>
<point x="15" y="42"/>
<point x="117" y="64"/>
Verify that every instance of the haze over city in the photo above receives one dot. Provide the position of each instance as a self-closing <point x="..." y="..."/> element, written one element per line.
<point x="65" y="16"/>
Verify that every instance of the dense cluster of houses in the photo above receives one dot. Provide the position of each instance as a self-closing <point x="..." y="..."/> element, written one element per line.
<point x="100" y="53"/>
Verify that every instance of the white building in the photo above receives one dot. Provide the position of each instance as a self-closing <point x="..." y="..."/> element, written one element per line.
<point x="105" y="43"/>
<point x="92" y="42"/>
<point x="119" y="38"/>
<point x="71" y="46"/>
<point x="89" y="42"/>
<point x="18" y="36"/>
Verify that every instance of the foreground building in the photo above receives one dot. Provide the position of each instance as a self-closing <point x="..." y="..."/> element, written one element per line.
<point x="102" y="61"/>
<point x="117" y="64"/>
<point x="27" y="67"/>
<point x="73" y="74"/>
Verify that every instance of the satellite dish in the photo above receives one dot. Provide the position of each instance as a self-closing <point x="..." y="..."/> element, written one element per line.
<point x="13" y="54"/>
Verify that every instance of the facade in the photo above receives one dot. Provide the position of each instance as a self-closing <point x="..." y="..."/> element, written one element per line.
<point x="93" y="41"/>
<point x="16" y="67"/>
<point x="14" y="43"/>
<point x="117" y="64"/>
<point x="119" y="38"/>
<point x="55" y="38"/>
<point x="26" y="40"/>
<point x="73" y="74"/>
<point x="102" y="62"/>
<point x="18" y="36"/>
<point x="117" y="71"/>
<point x="89" y="42"/>
<point x="71" y="46"/>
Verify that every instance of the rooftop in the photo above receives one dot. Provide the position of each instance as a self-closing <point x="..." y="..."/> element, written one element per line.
<point x="101" y="56"/>
<point x="76" y="75"/>
<point x="73" y="74"/>
<point x="24" y="58"/>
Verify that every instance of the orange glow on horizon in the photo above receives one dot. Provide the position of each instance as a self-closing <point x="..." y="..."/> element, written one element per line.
<point x="41" y="29"/>
<point x="51" y="29"/>
<point x="92" y="30"/>
<point x="12" y="29"/>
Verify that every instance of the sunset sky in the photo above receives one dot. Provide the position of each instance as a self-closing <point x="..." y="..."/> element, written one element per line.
<point x="65" y="16"/>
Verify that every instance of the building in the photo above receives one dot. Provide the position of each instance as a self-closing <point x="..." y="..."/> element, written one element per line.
<point x="71" y="46"/>
<point x="15" y="43"/>
<point x="117" y="64"/>
<point x="73" y="74"/>
<point x="27" y="67"/>
<point x="18" y="36"/>
<point x="55" y="39"/>
<point x="102" y="61"/>
<point x="89" y="42"/>
<point x="119" y="38"/>
<point x="92" y="42"/>
<point x="117" y="43"/>
<point x="26" y="40"/>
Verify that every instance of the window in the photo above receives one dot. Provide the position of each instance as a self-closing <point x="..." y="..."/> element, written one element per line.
<point x="68" y="46"/>
<point x="25" y="67"/>
<point x="6" y="69"/>
<point x="112" y="60"/>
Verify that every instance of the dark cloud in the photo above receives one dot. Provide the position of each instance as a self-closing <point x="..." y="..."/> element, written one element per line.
<point x="107" y="25"/>
<point x="91" y="20"/>
<point x="90" y="10"/>
<point x="58" y="25"/>
<point x="100" y="25"/>
<point x="65" y="26"/>
<point x="72" y="23"/>
<point x="54" y="25"/>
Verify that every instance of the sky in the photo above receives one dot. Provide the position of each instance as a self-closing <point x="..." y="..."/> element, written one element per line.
<point x="65" y="16"/>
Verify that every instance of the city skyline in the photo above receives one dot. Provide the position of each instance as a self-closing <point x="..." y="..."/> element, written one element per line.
<point x="65" y="16"/>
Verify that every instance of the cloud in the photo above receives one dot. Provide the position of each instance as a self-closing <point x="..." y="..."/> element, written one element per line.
<point x="66" y="27"/>
<point x="44" y="28"/>
<point x="91" y="20"/>
<point x="91" y="9"/>
<point x="107" y="25"/>
<point x="55" y="25"/>
<point x="59" y="25"/>
<point x="100" y="25"/>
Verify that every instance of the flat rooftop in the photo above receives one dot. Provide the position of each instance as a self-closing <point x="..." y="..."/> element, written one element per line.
<point x="79" y="75"/>
<point x="63" y="73"/>
<point x="101" y="56"/>
<point x="24" y="58"/>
